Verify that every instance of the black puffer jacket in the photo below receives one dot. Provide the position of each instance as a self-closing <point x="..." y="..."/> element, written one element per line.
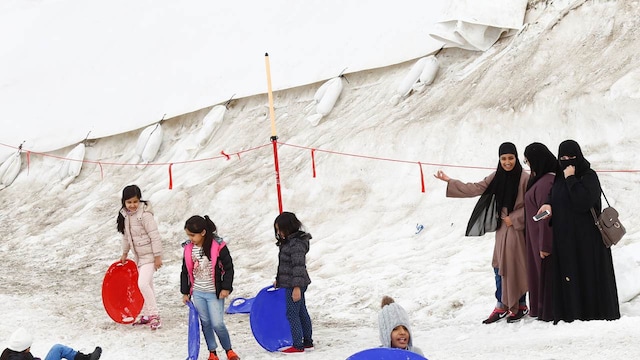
<point x="292" y="265"/>
<point x="14" y="355"/>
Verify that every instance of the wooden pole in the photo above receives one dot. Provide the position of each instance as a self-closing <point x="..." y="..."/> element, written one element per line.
<point x="274" y="136"/>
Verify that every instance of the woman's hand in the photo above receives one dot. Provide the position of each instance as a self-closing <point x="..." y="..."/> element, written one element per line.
<point x="442" y="176"/>
<point x="543" y="208"/>
<point x="296" y="295"/>
<point x="544" y="254"/>
<point x="507" y="221"/>
<point x="569" y="171"/>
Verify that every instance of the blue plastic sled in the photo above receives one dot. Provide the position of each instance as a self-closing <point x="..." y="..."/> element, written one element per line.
<point x="193" y="339"/>
<point x="268" y="319"/>
<point x="381" y="353"/>
<point x="240" y="306"/>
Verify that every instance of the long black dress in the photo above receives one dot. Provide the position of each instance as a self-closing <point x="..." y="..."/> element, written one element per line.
<point x="584" y="286"/>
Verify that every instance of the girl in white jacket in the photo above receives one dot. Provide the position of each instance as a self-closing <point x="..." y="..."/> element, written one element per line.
<point x="141" y="236"/>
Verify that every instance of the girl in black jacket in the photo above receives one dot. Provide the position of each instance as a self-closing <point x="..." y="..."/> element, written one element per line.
<point x="292" y="275"/>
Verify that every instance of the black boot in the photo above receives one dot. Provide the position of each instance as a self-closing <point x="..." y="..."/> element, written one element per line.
<point x="95" y="355"/>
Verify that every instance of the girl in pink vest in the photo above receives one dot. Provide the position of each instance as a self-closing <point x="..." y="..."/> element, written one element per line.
<point x="206" y="280"/>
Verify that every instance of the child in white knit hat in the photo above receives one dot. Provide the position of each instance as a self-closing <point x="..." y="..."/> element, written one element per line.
<point x="19" y="348"/>
<point x="395" y="330"/>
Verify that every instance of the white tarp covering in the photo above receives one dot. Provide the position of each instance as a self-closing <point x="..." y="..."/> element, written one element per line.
<point x="477" y="25"/>
<point x="114" y="66"/>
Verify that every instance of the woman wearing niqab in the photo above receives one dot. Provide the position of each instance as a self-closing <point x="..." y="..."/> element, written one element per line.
<point x="584" y="282"/>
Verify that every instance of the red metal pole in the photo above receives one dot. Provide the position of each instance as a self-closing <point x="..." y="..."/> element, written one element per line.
<point x="274" y="137"/>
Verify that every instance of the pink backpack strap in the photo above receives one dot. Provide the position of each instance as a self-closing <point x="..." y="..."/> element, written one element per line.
<point x="188" y="260"/>
<point x="215" y="253"/>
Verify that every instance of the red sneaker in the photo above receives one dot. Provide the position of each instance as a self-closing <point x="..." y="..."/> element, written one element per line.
<point x="496" y="315"/>
<point x="522" y="311"/>
<point x="231" y="355"/>
<point x="291" y="350"/>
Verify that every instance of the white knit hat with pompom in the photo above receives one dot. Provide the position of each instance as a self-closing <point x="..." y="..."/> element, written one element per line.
<point x="390" y="316"/>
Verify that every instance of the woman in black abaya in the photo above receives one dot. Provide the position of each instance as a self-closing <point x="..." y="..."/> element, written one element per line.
<point x="584" y="284"/>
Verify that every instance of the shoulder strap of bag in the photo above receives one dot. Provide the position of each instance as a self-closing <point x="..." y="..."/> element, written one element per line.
<point x="605" y="197"/>
<point x="595" y="217"/>
<point x="593" y="211"/>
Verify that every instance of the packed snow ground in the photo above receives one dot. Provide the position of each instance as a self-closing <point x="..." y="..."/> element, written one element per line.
<point x="571" y="72"/>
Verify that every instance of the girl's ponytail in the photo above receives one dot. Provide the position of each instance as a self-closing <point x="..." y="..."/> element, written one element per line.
<point x="120" y="222"/>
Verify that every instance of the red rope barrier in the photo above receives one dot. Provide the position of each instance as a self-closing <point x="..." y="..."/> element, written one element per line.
<point x="386" y="159"/>
<point x="96" y="162"/>
<point x="274" y="143"/>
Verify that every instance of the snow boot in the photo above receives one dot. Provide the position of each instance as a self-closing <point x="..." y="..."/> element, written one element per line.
<point x="95" y="355"/>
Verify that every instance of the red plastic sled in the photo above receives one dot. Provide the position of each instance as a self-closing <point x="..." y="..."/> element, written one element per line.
<point x="121" y="296"/>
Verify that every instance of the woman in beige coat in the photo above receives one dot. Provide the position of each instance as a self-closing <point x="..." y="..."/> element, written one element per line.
<point x="141" y="236"/>
<point x="501" y="209"/>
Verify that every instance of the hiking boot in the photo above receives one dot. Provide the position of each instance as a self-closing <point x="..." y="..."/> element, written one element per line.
<point x="95" y="355"/>
<point x="291" y="350"/>
<point x="231" y="355"/>
<point x="522" y="311"/>
<point x="496" y="315"/>
<point x="154" y="322"/>
<point x="213" y="356"/>
<point x="141" y="320"/>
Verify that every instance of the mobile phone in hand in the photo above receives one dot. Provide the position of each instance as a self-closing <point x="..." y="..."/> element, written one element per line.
<point x="541" y="216"/>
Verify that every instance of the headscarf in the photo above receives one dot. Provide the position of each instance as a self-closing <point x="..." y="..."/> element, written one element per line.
<point x="571" y="148"/>
<point x="541" y="161"/>
<point x="501" y="193"/>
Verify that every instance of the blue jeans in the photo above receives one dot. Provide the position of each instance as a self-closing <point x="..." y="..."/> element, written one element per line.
<point x="299" y="319"/>
<point x="59" y="352"/>
<point x="523" y="298"/>
<point x="211" y="312"/>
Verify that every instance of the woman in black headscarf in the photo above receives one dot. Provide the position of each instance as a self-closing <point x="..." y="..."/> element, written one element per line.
<point x="539" y="237"/>
<point x="584" y="286"/>
<point x="500" y="209"/>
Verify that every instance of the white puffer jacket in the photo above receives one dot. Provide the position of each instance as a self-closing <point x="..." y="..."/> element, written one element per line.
<point x="141" y="235"/>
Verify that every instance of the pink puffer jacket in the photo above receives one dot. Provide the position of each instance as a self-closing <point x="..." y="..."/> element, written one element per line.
<point x="141" y="235"/>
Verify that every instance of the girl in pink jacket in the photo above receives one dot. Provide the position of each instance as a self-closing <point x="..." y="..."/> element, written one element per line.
<point x="141" y="236"/>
